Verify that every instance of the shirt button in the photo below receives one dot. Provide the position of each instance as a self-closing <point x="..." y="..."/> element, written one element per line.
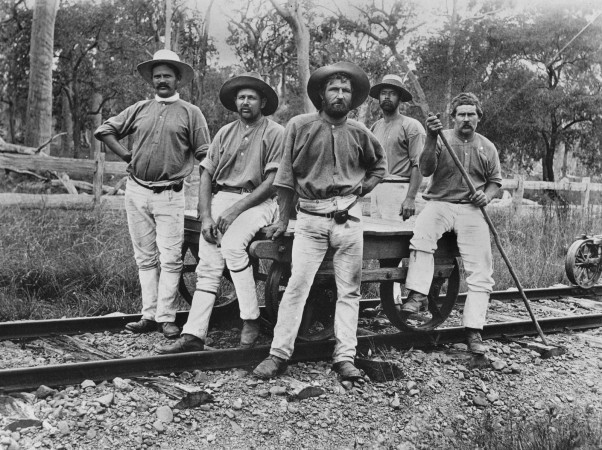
<point x="246" y="138"/>
<point x="332" y="126"/>
<point x="242" y="153"/>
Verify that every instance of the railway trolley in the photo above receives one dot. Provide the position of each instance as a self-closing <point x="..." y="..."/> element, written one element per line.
<point x="386" y="244"/>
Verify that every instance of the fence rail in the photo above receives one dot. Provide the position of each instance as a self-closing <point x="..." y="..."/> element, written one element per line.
<point x="98" y="168"/>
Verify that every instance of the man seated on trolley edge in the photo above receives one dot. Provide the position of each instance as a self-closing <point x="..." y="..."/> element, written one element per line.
<point x="451" y="206"/>
<point x="328" y="160"/>
<point x="241" y="163"/>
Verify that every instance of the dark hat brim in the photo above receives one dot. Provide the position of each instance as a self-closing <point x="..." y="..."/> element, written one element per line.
<point x="404" y="94"/>
<point x="230" y="88"/>
<point x="359" y="82"/>
<point x="145" y="69"/>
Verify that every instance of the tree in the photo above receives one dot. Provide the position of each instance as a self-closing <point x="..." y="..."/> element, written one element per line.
<point x="39" y="99"/>
<point x="292" y="12"/>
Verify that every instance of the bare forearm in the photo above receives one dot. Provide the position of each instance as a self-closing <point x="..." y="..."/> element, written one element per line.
<point x="428" y="158"/>
<point x="204" y="207"/>
<point x="415" y="180"/>
<point x="286" y="204"/>
<point x="369" y="183"/>
<point x="264" y="191"/>
<point x="491" y="190"/>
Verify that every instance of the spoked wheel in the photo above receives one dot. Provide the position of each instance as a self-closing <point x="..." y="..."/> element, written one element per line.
<point x="582" y="263"/>
<point x="438" y="308"/>
<point x="318" y="316"/>
<point x="226" y="294"/>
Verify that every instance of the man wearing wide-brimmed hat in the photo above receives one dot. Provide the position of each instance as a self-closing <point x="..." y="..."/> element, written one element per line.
<point x="241" y="165"/>
<point x="329" y="161"/>
<point x="168" y="134"/>
<point x="402" y="138"/>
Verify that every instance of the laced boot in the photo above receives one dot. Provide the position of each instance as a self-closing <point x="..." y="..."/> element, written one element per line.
<point x="142" y="326"/>
<point x="347" y="371"/>
<point x="170" y="330"/>
<point x="416" y="302"/>
<point x="475" y="342"/>
<point x="270" y="367"/>
<point x="186" y="343"/>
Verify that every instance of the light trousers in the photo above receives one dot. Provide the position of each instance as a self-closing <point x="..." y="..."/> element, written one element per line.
<point x="472" y="232"/>
<point x="313" y="237"/>
<point x="156" y="225"/>
<point x="231" y="252"/>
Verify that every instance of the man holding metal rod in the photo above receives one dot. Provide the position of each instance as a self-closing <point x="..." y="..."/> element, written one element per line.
<point x="451" y="207"/>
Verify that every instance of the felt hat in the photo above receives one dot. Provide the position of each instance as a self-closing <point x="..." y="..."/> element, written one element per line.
<point x="359" y="82"/>
<point x="393" y="82"/>
<point x="166" y="57"/>
<point x="248" y="80"/>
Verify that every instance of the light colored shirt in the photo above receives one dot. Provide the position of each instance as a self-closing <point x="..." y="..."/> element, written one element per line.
<point x="403" y="140"/>
<point x="321" y="160"/>
<point x="168" y="136"/>
<point x="241" y="155"/>
<point x="478" y="156"/>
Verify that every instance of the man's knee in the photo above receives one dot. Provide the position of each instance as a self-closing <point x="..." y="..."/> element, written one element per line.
<point x="235" y="255"/>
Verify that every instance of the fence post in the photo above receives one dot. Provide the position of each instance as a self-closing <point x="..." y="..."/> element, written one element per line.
<point x="517" y="197"/>
<point x="586" y="191"/>
<point x="99" y="169"/>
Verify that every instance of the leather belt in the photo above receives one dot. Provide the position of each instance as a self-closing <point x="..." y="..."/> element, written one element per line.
<point x="340" y="216"/>
<point x="233" y="189"/>
<point x="177" y="187"/>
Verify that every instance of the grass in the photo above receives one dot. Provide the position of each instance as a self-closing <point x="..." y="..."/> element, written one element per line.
<point x="57" y="263"/>
<point x="554" y="430"/>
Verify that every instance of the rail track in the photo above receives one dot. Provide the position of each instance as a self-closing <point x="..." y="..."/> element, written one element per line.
<point x="19" y="379"/>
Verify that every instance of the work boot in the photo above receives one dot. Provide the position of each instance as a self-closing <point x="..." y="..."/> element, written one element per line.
<point x="270" y="367"/>
<point x="475" y="342"/>
<point x="415" y="303"/>
<point x="170" y="330"/>
<point x="249" y="333"/>
<point x="347" y="371"/>
<point x="142" y="326"/>
<point x="186" y="343"/>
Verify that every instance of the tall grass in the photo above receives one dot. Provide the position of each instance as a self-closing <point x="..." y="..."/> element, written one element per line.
<point x="56" y="263"/>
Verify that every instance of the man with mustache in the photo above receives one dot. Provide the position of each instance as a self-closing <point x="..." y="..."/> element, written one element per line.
<point x="451" y="207"/>
<point x="402" y="138"/>
<point x="329" y="161"/>
<point x="241" y="165"/>
<point x="168" y="134"/>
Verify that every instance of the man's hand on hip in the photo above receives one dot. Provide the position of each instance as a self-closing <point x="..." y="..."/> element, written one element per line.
<point x="225" y="219"/>
<point x="408" y="208"/>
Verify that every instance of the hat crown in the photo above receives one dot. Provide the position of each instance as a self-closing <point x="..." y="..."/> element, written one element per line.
<point x="392" y="78"/>
<point x="166" y="55"/>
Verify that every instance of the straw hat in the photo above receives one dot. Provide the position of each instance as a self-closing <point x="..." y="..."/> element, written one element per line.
<point x="394" y="82"/>
<point x="166" y="57"/>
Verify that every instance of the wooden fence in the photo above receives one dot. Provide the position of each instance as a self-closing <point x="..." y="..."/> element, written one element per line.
<point x="99" y="169"/>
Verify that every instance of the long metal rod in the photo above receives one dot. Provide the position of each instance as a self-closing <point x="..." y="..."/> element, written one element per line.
<point x="495" y="237"/>
<point x="29" y="329"/>
<point x="12" y="380"/>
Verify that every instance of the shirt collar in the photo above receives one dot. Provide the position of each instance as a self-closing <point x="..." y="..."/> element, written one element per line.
<point x="255" y="124"/>
<point x="171" y="99"/>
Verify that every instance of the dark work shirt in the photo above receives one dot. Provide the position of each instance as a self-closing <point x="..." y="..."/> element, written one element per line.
<point x="321" y="160"/>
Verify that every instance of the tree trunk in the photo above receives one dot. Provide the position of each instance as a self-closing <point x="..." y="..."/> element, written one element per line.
<point x="450" y="59"/>
<point x="420" y="98"/>
<point x="67" y="140"/>
<point x="168" y="14"/>
<point x="39" y="99"/>
<point x="291" y="12"/>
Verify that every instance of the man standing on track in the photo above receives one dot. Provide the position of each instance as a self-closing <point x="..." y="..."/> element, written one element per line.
<point x="168" y="134"/>
<point x="241" y="164"/>
<point x="451" y="206"/>
<point x="402" y="138"/>
<point x="328" y="160"/>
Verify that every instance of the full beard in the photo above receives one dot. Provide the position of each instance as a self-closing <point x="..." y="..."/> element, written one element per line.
<point x="336" y="110"/>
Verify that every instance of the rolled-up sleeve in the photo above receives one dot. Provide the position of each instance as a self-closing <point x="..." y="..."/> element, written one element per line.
<point x="273" y="140"/>
<point x="416" y="138"/>
<point x="284" y="175"/>
<point x="120" y="125"/>
<point x="200" y="138"/>
<point x="212" y="152"/>
<point x="375" y="158"/>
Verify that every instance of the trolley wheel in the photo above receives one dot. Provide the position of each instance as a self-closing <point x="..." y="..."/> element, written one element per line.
<point x="438" y="308"/>
<point x="318" y="316"/>
<point x="582" y="263"/>
<point x="226" y="294"/>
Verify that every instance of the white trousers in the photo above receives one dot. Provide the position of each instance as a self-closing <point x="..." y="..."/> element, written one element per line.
<point x="156" y="225"/>
<point x="472" y="232"/>
<point x="313" y="237"/>
<point x="231" y="252"/>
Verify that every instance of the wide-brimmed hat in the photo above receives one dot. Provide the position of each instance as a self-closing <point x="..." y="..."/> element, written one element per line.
<point x="359" y="82"/>
<point x="166" y="57"/>
<point x="248" y="80"/>
<point x="394" y="82"/>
